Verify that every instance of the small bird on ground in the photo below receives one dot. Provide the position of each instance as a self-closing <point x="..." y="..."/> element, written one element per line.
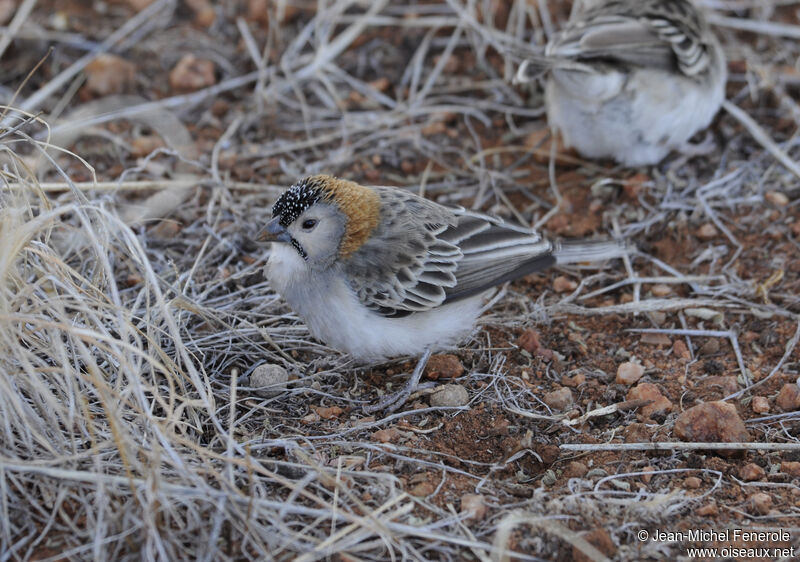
<point x="631" y="79"/>
<point x="379" y="272"/>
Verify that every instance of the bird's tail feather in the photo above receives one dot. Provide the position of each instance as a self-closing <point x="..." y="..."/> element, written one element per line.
<point x="576" y="251"/>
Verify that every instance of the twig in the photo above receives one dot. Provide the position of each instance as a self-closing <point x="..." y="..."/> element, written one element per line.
<point x="761" y="136"/>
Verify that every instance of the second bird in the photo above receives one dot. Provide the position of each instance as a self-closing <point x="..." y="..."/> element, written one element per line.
<point x="631" y="79"/>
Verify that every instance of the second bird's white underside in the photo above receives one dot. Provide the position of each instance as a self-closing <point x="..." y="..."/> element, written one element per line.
<point x="333" y="313"/>
<point x="635" y="118"/>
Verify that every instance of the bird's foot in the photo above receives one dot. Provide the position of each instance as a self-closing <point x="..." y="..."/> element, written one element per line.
<point x="394" y="401"/>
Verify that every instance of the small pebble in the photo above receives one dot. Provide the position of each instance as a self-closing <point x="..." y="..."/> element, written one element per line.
<point x="792" y="468"/>
<point x="560" y="399"/>
<point x="711" y="422"/>
<point x="444" y="366"/>
<point x="660" y="290"/>
<point x="777" y="198"/>
<point x="707" y="231"/>
<point x="648" y="391"/>
<point x="273" y="376"/>
<point x="475" y="506"/>
<point x="692" y="483"/>
<point x="708" y="510"/>
<point x="760" y="404"/>
<point x="760" y="503"/>
<point x="549" y="477"/>
<point x="710" y="347"/>
<point x="629" y="373"/>
<point x="449" y="395"/>
<point x="751" y="472"/>
<point x="562" y="284"/>
<point x="575" y="469"/>
<point x="788" y="398"/>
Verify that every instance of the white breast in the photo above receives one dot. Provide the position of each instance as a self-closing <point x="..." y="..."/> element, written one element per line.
<point x="335" y="316"/>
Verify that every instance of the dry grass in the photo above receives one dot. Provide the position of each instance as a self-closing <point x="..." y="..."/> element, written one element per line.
<point x="127" y="429"/>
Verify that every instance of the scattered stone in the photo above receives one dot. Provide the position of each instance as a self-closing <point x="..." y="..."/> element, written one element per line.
<point x="422" y="489"/>
<point x="679" y="349"/>
<point x="637" y="433"/>
<point x="656" y="339"/>
<point x="549" y="477"/>
<point x="598" y="538"/>
<point x="388" y="435"/>
<point x="647" y="476"/>
<point x="710" y="347"/>
<point x="474" y="505"/>
<point x="777" y="198"/>
<point x="708" y="510"/>
<point x="529" y="341"/>
<point x="139" y="5"/>
<point x="574" y="381"/>
<point x="788" y="398"/>
<point x="792" y="468"/>
<point x="204" y="14"/>
<point x="727" y="384"/>
<point x="575" y="469"/>
<point x="192" y="73"/>
<point x="109" y="74"/>
<point x="449" y="395"/>
<point x="547" y="452"/>
<point x="444" y="366"/>
<point x="760" y="503"/>
<point x="328" y="412"/>
<point x="707" y="231"/>
<point x="661" y="290"/>
<point x="629" y="373"/>
<point x="274" y="377"/>
<point x="633" y="185"/>
<point x="647" y="391"/>
<point x="560" y="399"/>
<point x="711" y="422"/>
<point x="7" y="9"/>
<point x="562" y="284"/>
<point x="597" y="473"/>
<point x="692" y="483"/>
<point x="144" y="145"/>
<point x="381" y="84"/>
<point x="258" y="12"/>
<point x="760" y="404"/>
<point x="751" y="472"/>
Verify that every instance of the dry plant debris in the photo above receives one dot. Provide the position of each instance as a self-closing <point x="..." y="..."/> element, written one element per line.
<point x="137" y="330"/>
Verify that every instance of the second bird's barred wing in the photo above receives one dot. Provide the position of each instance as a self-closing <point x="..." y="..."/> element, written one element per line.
<point x="647" y="33"/>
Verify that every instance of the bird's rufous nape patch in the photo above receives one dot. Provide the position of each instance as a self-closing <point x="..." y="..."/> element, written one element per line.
<point x="361" y="205"/>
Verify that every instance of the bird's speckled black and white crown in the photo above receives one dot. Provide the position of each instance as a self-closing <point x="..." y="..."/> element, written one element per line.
<point x="297" y="199"/>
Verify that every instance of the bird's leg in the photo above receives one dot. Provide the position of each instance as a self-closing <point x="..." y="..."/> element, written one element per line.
<point x="393" y="401"/>
<point x="701" y="148"/>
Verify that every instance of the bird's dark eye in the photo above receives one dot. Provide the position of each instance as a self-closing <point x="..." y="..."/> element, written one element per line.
<point x="308" y="224"/>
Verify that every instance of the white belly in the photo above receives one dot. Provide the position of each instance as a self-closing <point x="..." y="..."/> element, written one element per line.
<point x="335" y="316"/>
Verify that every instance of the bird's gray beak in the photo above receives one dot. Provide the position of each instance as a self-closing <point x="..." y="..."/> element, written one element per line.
<point x="274" y="231"/>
